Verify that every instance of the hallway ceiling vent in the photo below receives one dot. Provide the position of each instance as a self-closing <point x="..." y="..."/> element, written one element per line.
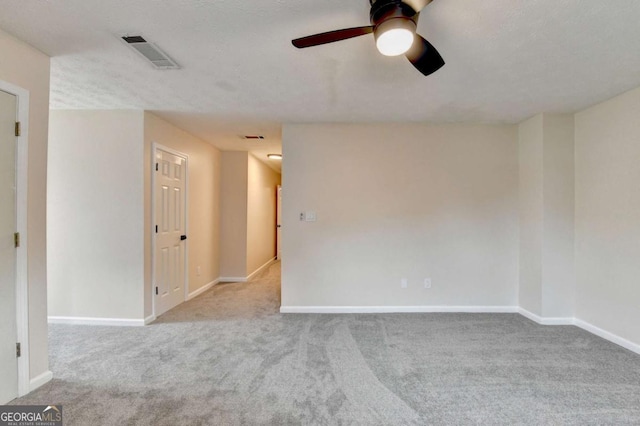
<point x="253" y="137"/>
<point x="151" y="53"/>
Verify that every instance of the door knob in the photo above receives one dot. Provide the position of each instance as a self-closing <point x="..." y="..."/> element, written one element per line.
<point x="183" y="237"/>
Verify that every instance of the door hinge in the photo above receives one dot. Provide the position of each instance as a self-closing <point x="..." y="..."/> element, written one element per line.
<point x="18" y="350"/>
<point x="156" y="167"/>
<point x="156" y="291"/>
<point x="17" y="132"/>
<point x="156" y="229"/>
<point x="16" y="239"/>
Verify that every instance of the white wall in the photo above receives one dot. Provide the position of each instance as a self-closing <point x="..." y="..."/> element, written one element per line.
<point x="100" y="178"/>
<point x="204" y="203"/>
<point x="233" y="257"/>
<point x="100" y="212"/>
<point x="558" y="275"/>
<point x="95" y="220"/>
<point x="530" y="153"/>
<point x="607" y="155"/>
<point x="546" y="182"/>
<point x="400" y="201"/>
<point x="23" y="66"/>
<point x="262" y="182"/>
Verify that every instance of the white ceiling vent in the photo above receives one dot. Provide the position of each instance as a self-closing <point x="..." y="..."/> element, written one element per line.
<point x="151" y="52"/>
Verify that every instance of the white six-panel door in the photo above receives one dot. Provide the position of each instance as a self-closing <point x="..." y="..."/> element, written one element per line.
<point x="8" y="330"/>
<point x="170" y="241"/>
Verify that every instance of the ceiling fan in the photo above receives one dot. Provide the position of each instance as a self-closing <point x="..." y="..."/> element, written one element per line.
<point x="393" y="24"/>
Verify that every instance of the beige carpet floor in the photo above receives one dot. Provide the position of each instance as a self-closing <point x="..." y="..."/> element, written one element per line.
<point x="229" y="357"/>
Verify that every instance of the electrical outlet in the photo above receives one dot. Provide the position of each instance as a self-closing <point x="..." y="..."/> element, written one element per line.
<point x="198" y="271"/>
<point x="404" y="283"/>
<point x="427" y="283"/>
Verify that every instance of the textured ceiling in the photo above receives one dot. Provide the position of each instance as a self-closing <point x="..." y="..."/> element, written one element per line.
<point x="506" y="60"/>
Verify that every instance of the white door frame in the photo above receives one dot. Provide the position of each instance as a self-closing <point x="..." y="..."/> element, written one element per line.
<point x="279" y="222"/>
<point x="155" y="147"/>
<point x="22" y="290"/>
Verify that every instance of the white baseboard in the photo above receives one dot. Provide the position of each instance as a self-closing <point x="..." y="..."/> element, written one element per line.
<point x="260" y="269"/>
<point x="249" y="277"/>
<point x="202" y="289"/>
<point x="545" y="320"/>
<point x="122" y="322"/>
<point x="233" y="279"/>
<point x="627" y="344"/>
<point x="394" y="309"/>
<point x="633" y="347"/>
<point x="40" y="380"/>
<point x="148" y="320"/>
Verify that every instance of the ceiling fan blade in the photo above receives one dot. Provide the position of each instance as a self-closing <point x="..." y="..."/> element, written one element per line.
<point x="417" y="5"/>
<point x="331" y="36"/>
<point x="424" y="56"/>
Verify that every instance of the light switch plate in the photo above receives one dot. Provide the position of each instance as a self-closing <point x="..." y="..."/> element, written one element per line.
<point x="310" y="216"/>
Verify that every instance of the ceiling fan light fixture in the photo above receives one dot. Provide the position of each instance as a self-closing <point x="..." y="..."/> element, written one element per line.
<point x="393" y="24"/>
<point x="395" y="36"/>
